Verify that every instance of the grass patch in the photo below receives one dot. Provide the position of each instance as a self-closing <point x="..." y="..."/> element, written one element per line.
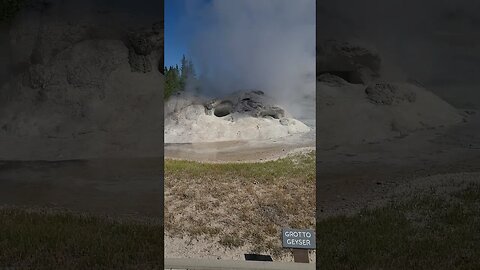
<point x="240" y="203"/>
<point x="61" y="240"/>
<point x="266" y="172"/>
<point x="425" y="232"/>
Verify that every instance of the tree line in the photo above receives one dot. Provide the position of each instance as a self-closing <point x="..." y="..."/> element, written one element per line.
<point x="176" y="77"/>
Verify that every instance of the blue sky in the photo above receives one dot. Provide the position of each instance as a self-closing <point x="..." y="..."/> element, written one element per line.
<point x="175" y="41"/>
<point x="178" y="27"/>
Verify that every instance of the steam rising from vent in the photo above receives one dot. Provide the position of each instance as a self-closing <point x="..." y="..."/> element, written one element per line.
<point x="267" y="45"/>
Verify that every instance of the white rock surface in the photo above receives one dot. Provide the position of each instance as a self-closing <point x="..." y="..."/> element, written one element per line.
<point x="253" y="116"/>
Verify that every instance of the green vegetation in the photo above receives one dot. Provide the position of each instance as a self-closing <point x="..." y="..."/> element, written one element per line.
<point x="298" y="166"/>
<point x="176" y="78"/>
<point x="60" y="240"/>
<point x="9" y="8"/>
<point x="240" y="203"/>
<point x="426" y="232"/>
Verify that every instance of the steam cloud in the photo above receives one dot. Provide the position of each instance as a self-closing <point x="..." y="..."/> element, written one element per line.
<point x="255" y="44"/>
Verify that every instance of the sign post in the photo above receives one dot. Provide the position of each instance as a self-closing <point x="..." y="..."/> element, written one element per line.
<point x="300" y="241"/>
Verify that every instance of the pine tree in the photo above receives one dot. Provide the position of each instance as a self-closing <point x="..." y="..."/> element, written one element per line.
<point x="176" y="77"/>
<point x="171" y="81"/>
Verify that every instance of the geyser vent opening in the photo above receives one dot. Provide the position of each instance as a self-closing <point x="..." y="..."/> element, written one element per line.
<point x="223" y="109"/>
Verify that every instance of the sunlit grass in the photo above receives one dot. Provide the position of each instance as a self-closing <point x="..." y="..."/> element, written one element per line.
<point x="269" y="171"/>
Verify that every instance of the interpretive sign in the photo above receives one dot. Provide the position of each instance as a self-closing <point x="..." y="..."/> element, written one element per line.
<point x="298" y="238"/>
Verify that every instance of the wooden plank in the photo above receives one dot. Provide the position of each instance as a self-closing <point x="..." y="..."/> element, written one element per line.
<point x="300" y="255"/>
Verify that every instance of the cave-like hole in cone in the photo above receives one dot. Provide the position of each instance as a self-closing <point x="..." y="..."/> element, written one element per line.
<point x="223" y="109"/>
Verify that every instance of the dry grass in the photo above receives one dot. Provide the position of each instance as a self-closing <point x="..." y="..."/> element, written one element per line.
<point x="240" y="203"/>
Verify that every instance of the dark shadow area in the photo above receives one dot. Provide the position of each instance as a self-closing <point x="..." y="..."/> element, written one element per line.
<point x="398" y="134"/>
<point x="81" y="130"/>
